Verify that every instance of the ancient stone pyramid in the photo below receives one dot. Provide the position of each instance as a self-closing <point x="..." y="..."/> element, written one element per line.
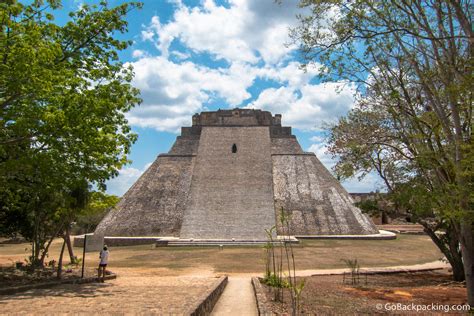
<point x="228" y="176"/>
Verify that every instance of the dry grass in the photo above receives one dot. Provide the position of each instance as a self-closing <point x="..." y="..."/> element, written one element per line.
<point x="311" y="254"/>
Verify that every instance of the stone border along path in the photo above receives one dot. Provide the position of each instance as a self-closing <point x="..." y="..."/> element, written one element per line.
<point x="52" y="283"/>
<point x="208" y="302"/>
<point x="239" y="296"/>
<point x="129" y="295"/>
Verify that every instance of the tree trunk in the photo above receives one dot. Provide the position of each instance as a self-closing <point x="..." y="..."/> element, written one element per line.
<point x="37" y="261"/>
<point x="45" y="251"/>
<point x="467" y="248"/>
<point x="60" y="261"/>
<point x="70" y="250"/>
<point x="452" y="255"/>
<point x="456" y="262"/>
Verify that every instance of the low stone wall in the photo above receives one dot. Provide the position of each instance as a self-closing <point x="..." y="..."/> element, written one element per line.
<point x="260" y="297"/>
<point x="44" y="285"/>
<point x="119" y="241"/>
<point x="208" y="302"/>
<point x="382" y="235"/>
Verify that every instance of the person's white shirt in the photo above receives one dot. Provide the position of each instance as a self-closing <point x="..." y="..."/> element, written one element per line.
<point x="104" y="256"/>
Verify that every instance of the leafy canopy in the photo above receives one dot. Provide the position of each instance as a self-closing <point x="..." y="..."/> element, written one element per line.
<point x="63" y="92"/>
<point x="63" y="98"/>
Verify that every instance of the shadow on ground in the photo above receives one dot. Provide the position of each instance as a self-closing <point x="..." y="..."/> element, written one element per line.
<point x="65" y="290"/>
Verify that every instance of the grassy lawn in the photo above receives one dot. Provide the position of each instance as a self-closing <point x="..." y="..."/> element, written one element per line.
<point x="310" y="254"/>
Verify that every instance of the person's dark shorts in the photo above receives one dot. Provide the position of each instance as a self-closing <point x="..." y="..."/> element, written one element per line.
<point x="103" y="265"/>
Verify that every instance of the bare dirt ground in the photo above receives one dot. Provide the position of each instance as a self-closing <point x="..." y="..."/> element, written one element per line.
<point x="135" y="291"/>
<point x="169" y="280"/>
<point x="329" y="295"/>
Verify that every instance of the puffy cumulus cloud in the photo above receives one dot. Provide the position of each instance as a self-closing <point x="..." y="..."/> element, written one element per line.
<point x="126" y="178"/>
<point x="172" y="92"/>
<point x="138" y="53"/>
<point x="309" y="106"/>
<point x="244" y="31"/>
<point x="250" y="36"/>
<point x="291" y="74"/>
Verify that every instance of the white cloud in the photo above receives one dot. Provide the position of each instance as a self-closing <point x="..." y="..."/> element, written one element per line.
<point x="172" y="92"/>
<point x="245" y="30"/>
<point x="126" y="178"/>
<point x="138" y="53"/>
<point x="316" y="139"/>
<point x="290" y="74"/>
<point x="309" y="106"/>
<point x="180" y="55"/>
<point x="320" y="149"/>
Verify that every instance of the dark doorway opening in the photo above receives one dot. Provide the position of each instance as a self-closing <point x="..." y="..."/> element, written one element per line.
<point x="234" y="148"/>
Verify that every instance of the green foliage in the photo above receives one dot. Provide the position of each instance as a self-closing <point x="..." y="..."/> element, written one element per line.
<point x="90" y="216"/>
<point x="274" y="280"/>
<point x="63" y="92"/>
<point x="412" y="123"/>
<point x="369" y="206"/>
<point x="63" y="99"/>
<point x="276" y="263"/>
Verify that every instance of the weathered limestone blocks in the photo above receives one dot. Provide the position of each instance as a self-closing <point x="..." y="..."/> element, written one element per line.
<point x="227" y="176"/>
<point x="154" y="205"/>
<point x="231" y="193"/>
<point x="318" y="204"/>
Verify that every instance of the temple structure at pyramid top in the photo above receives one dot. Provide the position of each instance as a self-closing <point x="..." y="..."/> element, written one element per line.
<point x="228" y="176"/>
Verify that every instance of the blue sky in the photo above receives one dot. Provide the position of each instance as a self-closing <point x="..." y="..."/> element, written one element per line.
<point x="193" y="56"/>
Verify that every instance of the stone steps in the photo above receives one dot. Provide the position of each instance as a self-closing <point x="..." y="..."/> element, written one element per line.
<point x="231" y="193"/>
<point x="215" y="242"/>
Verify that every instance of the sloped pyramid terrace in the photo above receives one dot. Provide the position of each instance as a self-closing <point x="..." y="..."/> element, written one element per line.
<point x="227" y="177"/>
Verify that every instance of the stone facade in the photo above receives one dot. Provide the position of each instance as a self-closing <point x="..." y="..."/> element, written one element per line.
<point x="228" y="176"/>
<point x="231" y="191"/>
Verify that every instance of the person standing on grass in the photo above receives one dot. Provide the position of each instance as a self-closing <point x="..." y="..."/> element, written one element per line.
<point x="104" y="259"/>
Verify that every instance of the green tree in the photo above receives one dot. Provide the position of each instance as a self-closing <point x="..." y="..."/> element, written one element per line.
<point x="63" y="96"/>
<point x="98" y="206"/>
<point x="365" y="141"/>
<point x="413" y="62"/>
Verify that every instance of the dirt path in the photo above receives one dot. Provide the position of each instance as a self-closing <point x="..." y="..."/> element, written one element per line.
<point x="411" y="268"/>
<point x="434" y="265"/>
<point x="237" y="299"/>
